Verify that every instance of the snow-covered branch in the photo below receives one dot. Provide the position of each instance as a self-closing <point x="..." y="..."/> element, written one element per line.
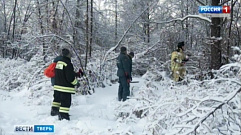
<point x="186" y="17"/>
<point x="138" y="55"/>
<point x="121" y="39"/>
<point x="226" y="101"/>
<point x="200" y="2"/>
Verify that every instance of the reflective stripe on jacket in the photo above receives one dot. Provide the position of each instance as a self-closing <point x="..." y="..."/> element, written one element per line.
<point x="65" y="79"/>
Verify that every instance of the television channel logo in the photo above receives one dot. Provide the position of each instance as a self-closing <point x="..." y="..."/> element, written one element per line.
<point x="215" y="11"/>
<point x="34" y="128"/>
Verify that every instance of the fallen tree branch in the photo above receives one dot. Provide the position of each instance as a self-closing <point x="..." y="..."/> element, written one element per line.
<point x="184" y="18"/>
<point x="229" y="98"/>
<point x="200" y="2"/>
<point x="138" y="55"/>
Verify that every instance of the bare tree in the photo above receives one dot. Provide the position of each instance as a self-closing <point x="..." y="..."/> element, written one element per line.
<point x="87" y="32"/>
<point x="116" y="21"/>
<point x="216" y="42"/>
<point x="40" y="20"/>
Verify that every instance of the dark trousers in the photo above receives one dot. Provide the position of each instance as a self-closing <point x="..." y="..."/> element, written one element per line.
<point x="65" y="102"/>
<point x="124" y="89"/>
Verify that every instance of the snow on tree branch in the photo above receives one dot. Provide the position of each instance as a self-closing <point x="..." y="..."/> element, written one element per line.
<point x="200" y="107"/>
<point x="138" y="55"/>
<point x="225" y="101"/>
<point x="119" y="42"/>
<point x="200" y="2"/>
<point x="141" y="54"/>
<point x="186" y="17"/>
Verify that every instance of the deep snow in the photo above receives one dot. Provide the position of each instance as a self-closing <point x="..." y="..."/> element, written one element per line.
<point x="91" y="114"/>
<point x="167" y="108"/>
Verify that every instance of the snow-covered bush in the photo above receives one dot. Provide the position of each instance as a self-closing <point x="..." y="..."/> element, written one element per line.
<point x="16" y="73"/>
<point x="199" y="107"/>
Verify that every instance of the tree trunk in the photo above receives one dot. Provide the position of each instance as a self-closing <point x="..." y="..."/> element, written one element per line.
<point x="148" y="24"/>
<point x="14" y="26"/>
<point x="14" y="19"/>
<point x="87" y="32"/>
<point x="47" y="15"/>
<point x="116" y="15"/>
<point x="40" y="19"/>
<point x="91" y="26"/>
<point x="76" y="36"/>
<point x="229" y="32"/>
<point x="26" y="17"/>
<point x="187" y="32"/>
<point x="146" y="27"/>
<point x="216" y="46"/>
<point x="5" y="16"/>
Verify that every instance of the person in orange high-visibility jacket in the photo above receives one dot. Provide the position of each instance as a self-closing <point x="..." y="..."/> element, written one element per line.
<point x="64" y="86"/>
<point x="178" y="60"/>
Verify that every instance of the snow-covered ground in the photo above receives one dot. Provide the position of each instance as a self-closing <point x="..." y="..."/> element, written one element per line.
<point x="91" y="114"/>
<point x="156" y="107"/>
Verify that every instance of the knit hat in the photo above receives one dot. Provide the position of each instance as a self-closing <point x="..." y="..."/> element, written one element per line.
<point x="123" y="49"/>
<point x="131" y="54"/>
<point x="180" y="45"/>
<point x="65" y="52"/>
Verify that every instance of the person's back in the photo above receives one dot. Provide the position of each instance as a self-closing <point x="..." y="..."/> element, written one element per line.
<point x="123" y="65"/>
<point x="65" y="81"/>
<point x="65" y="73"/>
<point x="178" y="60"/>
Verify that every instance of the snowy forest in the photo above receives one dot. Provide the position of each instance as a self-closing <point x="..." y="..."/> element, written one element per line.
<point x="206" y="102"/>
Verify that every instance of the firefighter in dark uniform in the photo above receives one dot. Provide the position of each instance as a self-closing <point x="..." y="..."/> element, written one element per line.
<point x="124" y="74"/>
<point x="64" y="86"/>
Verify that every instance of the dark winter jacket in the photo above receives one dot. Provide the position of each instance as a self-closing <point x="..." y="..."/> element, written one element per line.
<point x="123" y="65"/>
<point x="58" y="58"/>
<point x="65" y="76"/>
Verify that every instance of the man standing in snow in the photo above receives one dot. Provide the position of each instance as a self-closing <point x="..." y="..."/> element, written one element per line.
<point x="124" y="74"/>
<point x="65" y="81"/>
<point x="178" y="60"/>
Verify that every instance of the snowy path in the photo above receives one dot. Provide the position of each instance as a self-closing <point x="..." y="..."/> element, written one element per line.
<point x="92" y="114"/>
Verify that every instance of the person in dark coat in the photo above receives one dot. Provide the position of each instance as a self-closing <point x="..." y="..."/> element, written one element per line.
<point x="124" y="74"/>
<point x="64" y="86"/>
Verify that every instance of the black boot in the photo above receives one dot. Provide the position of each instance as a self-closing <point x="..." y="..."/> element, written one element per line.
<point x="64" y="116"/>
<point x="54" y="111"/>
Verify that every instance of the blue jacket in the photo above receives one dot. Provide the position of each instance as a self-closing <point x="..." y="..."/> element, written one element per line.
<point x="123" y="65"/>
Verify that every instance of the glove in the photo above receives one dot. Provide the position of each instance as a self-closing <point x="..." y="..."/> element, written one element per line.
<point x="78" y="84"/>
<point x="128" y="80"/>
<point x="127" y="76"/>
<point x="186" y="59"/>
<point x="79" y="73"/>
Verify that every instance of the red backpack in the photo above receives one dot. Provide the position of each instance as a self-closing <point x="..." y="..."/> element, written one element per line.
<point x="50" y="70"/>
